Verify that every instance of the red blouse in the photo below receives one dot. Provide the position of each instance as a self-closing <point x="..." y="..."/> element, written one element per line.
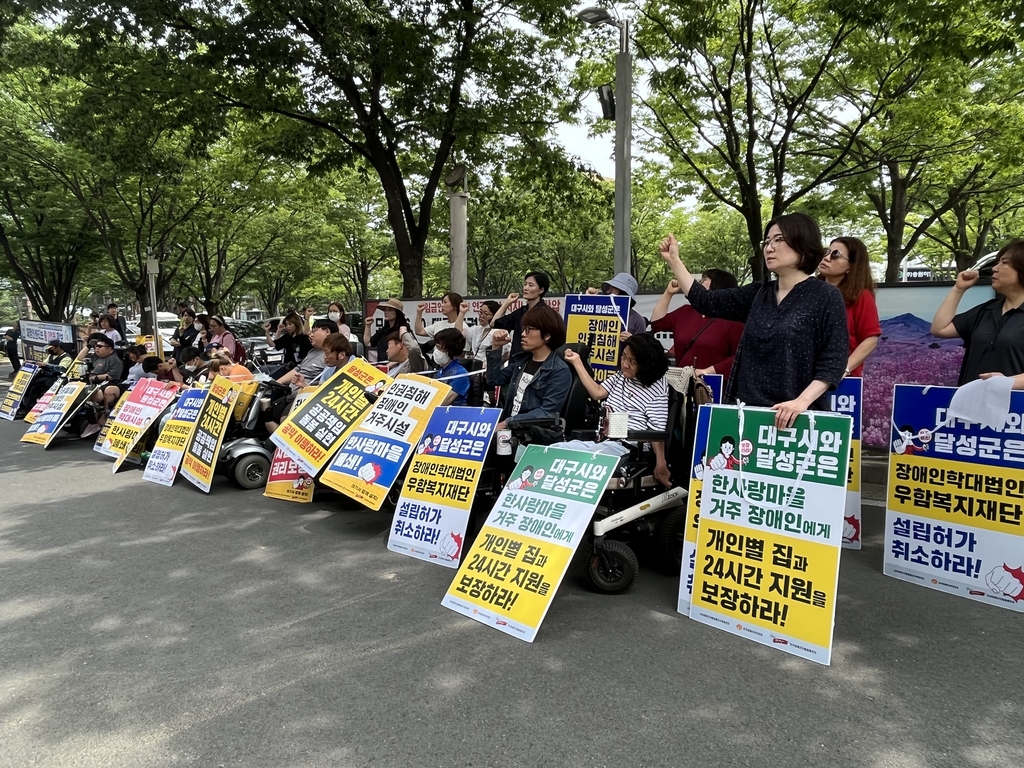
<point x="716" y="345"/>
<point x="862" y="323"/>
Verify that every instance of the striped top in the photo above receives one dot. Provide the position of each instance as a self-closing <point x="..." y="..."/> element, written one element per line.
<point x="647" y="406"/>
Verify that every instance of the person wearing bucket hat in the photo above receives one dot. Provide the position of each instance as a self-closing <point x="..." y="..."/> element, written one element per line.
<point x="394" y="318"/>
<point x="624" y="284"/>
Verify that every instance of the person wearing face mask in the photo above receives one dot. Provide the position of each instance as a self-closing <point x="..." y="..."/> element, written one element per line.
<point x="336" y="312"/>
<point x="449" y="345"/>
<point x="202" y="329"/>
<point x="191" y="365"/>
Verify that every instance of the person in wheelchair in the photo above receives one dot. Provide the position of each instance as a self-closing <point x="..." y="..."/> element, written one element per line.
<point x="537" y="380"/>
<point x="638" y="389"/>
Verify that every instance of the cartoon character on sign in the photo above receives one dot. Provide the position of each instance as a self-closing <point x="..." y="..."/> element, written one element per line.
<point x="904" y="444"/>
<point x="724" y="459"/>
<point x="425" y="447"/>
<point x="698" y="468"/>
<point x="1008" y="581"/>
<point x="451" y="546"/>
<point x="369" y="473"/>
<point x="851" y="529"/>
<point x="523" y="481"/>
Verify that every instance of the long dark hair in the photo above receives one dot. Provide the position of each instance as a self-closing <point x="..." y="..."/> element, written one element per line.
<point x="859" y="278"/>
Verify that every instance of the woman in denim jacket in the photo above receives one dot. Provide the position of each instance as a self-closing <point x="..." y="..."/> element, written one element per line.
<point x="537" y="380"/>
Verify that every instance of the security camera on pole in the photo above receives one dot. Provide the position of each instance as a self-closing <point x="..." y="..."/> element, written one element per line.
<point x="622" y="107"/>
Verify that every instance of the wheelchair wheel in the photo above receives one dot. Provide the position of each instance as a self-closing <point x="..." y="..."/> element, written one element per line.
<point x="611" y="568"/>
<point x="251" y="471"/>
<point x="671" y="535"/>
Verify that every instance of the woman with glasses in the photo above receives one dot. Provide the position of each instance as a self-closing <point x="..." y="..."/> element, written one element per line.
<point x="794" y="346"/>
<point x="847" y="267"/>
<point x="537" y="379"/>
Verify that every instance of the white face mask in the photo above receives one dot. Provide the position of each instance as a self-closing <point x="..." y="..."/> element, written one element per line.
<point x="335" y="316"/>
<point x="441" y="358"/>
<point x="197" y="326"/>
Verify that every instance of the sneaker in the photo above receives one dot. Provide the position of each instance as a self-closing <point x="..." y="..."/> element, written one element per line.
<point x="90" y="430"/>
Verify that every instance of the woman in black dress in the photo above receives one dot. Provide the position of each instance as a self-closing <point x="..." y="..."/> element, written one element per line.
<point x="794" y="345"/>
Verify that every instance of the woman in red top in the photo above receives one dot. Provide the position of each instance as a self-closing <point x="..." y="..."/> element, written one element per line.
<point x="847" y="267"/>
<point x="707" y="343"/>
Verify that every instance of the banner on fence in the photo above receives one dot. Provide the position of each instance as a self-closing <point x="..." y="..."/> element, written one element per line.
<point x="771" y="523"/>
<point x="165" y="458"/>
<point x="311" y="434"/>
<point x="200" y="458"/>
<point x="954" y="517"/>
<point x="437" y="495"/>
<point x="16" y="392"/>
<point x="370" y="459"/>
<point x="512" y="572"/>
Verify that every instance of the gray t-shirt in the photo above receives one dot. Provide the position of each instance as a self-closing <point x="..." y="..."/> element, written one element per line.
<point x="312" y="365"/>
<point x="110" y="365"/>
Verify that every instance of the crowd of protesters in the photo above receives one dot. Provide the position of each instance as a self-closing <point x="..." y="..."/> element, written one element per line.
<point x="782" y="342"/>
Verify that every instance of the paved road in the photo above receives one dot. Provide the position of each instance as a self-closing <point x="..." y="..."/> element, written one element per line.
<point x="147" y="626"/>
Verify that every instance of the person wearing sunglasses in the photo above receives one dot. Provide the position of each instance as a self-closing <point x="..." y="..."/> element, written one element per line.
<point x="794" y="345"/>
<point x="847" y="267"/>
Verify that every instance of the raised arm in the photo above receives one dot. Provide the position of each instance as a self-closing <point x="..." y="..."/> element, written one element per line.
<point x="512" y="297"/>
<point x="418" y="327"/>
<point x="595" y="390"/>
<point x="942" y="323"/>
<point x="661" y="308"/>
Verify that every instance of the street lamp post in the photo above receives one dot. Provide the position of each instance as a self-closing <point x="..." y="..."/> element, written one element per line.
<point x="623" y="134"/>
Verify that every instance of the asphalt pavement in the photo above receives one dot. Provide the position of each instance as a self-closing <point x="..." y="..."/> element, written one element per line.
<point x="149" y="626"/>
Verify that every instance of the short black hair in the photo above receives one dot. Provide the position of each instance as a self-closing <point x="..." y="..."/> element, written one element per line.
<point x="803" y="236"/>
<point x="650" y="357"/>
<point x="728" y="439"/>
<point x="491" y="305"/>
<point x="325" y="323"/>
<point x="548" y="322"/>
<point x="541" y="278"/>
<point x="455" y="299"/>
<point x="453" y="342"/>
<point x="111" y="305"/>
<point x="150" y="364"/>
<point x="189" y="354"/>
<point x="720" y="279"/>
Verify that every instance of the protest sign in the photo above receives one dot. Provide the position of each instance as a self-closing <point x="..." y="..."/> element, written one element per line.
<point x="165" y="458"/>
<point x="603" y="318"/>
<point x="700" y="442"/>
<point x="510" y="575"/>
<point x="372" y="456"/>
<point x="310" y="434"/>
<point x="203" y="449"/>
<point x="437" y="494"/>
<point x="847" y="399"/>
<point x="953" y="518"/>
<point x="16" y="392"/>
<point x="64" y="404"/>
<point x="771" y="524"/>
<point x="43" y="402"/>
<point x="101" y="445"/>
<point x="36" y="336"/>
<point x="142" y="408"/>
<point x="286" y="480"/>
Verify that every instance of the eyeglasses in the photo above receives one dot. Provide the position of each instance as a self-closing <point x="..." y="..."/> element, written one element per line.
<point x="528" y="328"/>
<point x="772" y="242"/>
<point x="835" y="255"/>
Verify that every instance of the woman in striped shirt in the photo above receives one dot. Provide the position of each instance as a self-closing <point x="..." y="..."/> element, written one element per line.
<point x="638" y="389"/>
